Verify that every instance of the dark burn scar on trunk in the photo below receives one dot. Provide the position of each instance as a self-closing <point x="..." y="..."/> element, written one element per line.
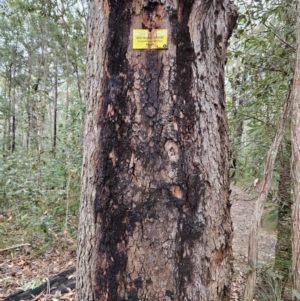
<point x="169" y="293"/>
<point x="138" y="282"/>
<point x="189" y="228"/>
<point x="114" y="215"/>
<point x="185" y="56"/>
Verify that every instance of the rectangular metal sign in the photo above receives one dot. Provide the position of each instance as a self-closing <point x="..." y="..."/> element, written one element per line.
<point x="146" y="39"/>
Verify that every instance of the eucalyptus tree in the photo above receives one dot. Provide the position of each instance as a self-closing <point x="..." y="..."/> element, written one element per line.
<point x="154" y="217"/>
<point x="296" y="162"/>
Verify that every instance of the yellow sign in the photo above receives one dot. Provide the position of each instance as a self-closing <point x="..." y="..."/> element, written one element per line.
<point x="146" y="39"/>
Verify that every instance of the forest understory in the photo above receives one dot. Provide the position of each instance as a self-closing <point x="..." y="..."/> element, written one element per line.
<point x="21" y="269"/>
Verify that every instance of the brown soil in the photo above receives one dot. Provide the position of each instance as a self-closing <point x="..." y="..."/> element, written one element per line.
<point x="21" y="269"/>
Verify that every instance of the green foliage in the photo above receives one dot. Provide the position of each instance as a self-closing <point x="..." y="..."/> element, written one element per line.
<point x="296" y="294"/>
<point x="272" y="288"/>
<point x="284" y="265"/>
<point x="42" y="79"/>
<point x="260" y="68"/>
<point x="37" y="213"/>
<point x="270" y="219"/>
<point x="252" y="267"/>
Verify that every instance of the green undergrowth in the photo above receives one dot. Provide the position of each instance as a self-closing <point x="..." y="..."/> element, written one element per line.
<point x="272" y="286"/>
<point x="270" y="218"/>
<point x="39" y="204"/>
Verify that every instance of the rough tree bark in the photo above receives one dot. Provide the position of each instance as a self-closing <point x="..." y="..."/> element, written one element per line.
<point x="295" y="128"/>
<point x="155" y="213"/>
<point x="283" y="248"/>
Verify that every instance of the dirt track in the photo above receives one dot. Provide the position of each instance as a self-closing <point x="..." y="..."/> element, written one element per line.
<point x="242" y="212"/>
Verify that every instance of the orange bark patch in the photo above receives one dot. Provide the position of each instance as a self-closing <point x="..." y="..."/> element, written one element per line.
<point x="106" y="9"/>
<point x="104" y="264"/>
<point x="110" y="110"/>
<point x="150" y="132"/>
<point x="219" y="255"/>
<point x="113" y="157"/>
<point x="177" y="191"/>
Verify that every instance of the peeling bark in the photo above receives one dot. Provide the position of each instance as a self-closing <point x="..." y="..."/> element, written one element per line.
<point x="155" y="213"/>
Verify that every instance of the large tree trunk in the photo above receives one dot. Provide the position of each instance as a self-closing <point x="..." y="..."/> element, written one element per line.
<point x="155" y="214"/>
<point x="296" y="161"/>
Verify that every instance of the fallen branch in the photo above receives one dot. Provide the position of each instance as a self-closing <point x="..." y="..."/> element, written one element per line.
<point x="15" y="247"/>
<point x="63" y="282"/>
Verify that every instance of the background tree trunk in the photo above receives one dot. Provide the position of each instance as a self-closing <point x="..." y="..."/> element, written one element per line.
<point x="283" y="249"/>
<point x="155" y="213"/>
<point x="55" y="99"/>
<point x="295" y="128"/>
